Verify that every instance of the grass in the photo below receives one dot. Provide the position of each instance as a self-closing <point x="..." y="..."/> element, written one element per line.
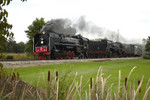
<point x="15" y="56"/>
<point x="89" y="70"/>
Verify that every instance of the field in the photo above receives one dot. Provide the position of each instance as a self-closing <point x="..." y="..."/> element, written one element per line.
<point x="89" y="70"/>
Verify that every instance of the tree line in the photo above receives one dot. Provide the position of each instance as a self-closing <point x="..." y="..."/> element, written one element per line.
<point x="13" y="47"/>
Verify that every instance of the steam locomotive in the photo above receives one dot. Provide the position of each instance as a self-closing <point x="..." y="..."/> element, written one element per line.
<point x="52" y="45"/>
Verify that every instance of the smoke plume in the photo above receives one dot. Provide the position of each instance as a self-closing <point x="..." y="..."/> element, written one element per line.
<point x="63" y="26"/>
<point x="83" y="27"/>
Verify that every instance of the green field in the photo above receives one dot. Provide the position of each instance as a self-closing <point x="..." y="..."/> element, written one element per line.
<point x="89" y="70"/>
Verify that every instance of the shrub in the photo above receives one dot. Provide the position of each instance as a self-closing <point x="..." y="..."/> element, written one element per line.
<point x="146" y="56"/>
<point x="2" y="56"/>
<point x="3" y="73"/>
<point x="9" y="57"/>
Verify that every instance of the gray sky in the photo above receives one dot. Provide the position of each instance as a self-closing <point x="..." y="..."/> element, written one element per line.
<point x="131" y="17"/>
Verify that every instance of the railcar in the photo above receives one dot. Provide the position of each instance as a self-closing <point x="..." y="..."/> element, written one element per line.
<point x="129" y="50"/>
<point x="138" y="50"/>
<point x="99" y="49"/>
<point x="132" y="50"/>
<point x="105" y="48"/>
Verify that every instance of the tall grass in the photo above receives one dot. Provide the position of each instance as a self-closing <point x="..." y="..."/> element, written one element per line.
<point x="58" y="88"/>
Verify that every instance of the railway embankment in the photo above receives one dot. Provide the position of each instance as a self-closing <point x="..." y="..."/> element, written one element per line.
<point x="18" y="64"/>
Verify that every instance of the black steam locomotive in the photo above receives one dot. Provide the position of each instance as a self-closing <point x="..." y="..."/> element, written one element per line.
<point x="52" y="45"/>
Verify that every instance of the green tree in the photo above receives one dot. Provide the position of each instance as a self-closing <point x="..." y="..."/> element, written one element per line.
<point x="147" y="46"/>
<point x="34" y="28"/>
<point x="11" y="45"/>
<point x="21" y="46"/>
<point x="5" y="27"/>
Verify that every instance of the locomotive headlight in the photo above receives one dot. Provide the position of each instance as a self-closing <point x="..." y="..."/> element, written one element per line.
<point x="43" y="32"/>
<point x="42" y="42"/>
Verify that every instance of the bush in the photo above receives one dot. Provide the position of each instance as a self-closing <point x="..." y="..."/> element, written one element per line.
<point x="18" y="56"/>
<point x="29" y="56"/>
<point x="9" y="57"/>
<point x="3" y="73"/>
<point x="2" y="56"/>
<point x="146" y="56"/>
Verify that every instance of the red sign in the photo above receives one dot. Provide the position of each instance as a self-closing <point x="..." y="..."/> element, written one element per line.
<point x="41" y="49"/>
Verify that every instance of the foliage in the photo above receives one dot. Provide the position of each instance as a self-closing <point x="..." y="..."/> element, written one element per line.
<point x="147" y="46"/>
<point x="2" y="56"/>
<point x="33" y="29"/>
<point x="146" y="56"/>
<point x="3" y="73"/>
<point x="21" y="47"/>
<point x="5" y="27"/>
<point x="29" y="47"/>
<point x="12" y="46"/>
<point x="1" y="48"/>
<point x="17" y="56"/>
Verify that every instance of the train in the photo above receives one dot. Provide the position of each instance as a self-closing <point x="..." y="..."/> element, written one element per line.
<point x="53" y="45"/>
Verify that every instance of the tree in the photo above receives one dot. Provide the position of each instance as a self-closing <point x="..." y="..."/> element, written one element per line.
<point x="21" y="46"/>
<point x="147" y="46"/>
<point x="34" y="28"/>
<point x="5" y="27"/>
<point x="13" y="46"/>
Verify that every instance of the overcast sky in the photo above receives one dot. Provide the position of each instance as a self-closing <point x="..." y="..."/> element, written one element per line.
<point x="131" y="17"/>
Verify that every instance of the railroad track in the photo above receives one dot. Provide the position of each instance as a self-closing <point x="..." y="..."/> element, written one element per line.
<point x="27" y="63"/>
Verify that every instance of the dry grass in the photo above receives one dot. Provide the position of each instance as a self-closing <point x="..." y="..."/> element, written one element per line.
<point x="16" y="89"/>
